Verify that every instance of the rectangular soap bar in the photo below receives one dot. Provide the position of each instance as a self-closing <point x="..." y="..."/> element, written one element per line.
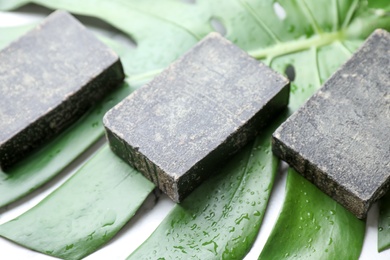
<point x="195" y="114"/>
<point x="48" y="78"/>
<point x="340" y="139"/>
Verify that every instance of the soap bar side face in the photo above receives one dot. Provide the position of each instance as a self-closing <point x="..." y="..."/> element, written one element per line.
<point x="197" y="112"/>
<point x="340" y="139"/>
<point x="49" y="78"/>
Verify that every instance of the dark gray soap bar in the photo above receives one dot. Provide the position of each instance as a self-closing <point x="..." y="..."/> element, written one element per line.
<point x="48" y="78"/>
<point x="195" y="114"/>
<point x="340" y="139"/>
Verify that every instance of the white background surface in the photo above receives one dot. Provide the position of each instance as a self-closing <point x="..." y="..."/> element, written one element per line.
<point x="151" y="214"/>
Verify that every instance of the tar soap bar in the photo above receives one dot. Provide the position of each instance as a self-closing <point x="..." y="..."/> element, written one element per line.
<point x="195" y="114"/>
<point x="49" y="78"/>
<point x="340" y="139"/>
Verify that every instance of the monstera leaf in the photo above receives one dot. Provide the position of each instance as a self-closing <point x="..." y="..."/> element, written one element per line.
<point x="309" y="39"/>
<point x="379" y="4"/>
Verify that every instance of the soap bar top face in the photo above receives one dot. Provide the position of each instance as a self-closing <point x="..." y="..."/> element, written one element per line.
<point x="202" y="102"/>
<point x="340" y="139"/>
<point x="48" y="78"/>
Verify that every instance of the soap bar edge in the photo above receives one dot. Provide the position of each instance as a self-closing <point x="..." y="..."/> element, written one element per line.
<point x="313" y="174"/>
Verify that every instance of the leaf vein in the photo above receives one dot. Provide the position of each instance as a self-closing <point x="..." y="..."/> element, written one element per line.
<point x="310" y="17"/>
<point x="242" y="177"/>
<point x="260" y="21"/>
<point x="336" y="15"/>
<point x="197" y="37"/>
<point x="315" y="53"/>
<point x="350" y="14"/>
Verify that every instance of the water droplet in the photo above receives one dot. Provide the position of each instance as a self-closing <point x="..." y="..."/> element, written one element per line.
<point x="194" y="226"/>
<point x="181" y="249"/>
<point x="286" y="255"/>
<point x="241" y="218"/>
<point x="95" y="124"/>
<point x="69" y="247"/>
<point x="109" y="218"/>
<point x="211" y="244"/>
<point x="210" y="216"/>
<point x="90" y="236"/>
<point x="232" y="229"/>
<point x="332" y="212"/>
<point x="291" y="28"/>
<point x="331" y="222"/>
<point x="330" y="241"/>
<point x="380" y="229"/>
<point x="257" y="213"/>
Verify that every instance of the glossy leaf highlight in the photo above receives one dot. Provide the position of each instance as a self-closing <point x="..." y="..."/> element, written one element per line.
<point x="221" y="218"/>
<point x="83" y="213"/>
<point x="312" y="225"/>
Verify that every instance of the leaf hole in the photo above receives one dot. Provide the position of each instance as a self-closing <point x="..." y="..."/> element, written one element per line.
<point x="103" y="28"/>
<point x="279" y="11"/>
<point x="217" y="25"/>
<point x="189" y="1"/>
<point x="290" y="72"/>
<point x="32" y="12"/>
<point x="95" y="25"/>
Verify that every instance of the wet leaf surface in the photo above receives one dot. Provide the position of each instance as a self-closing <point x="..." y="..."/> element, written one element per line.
<point x="83" y="213"/>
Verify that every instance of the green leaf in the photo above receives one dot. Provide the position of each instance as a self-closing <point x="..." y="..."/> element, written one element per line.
<point x="384" y="223"/>
<point x="312" y="225"/>
<point x="379" y="4"/>
<point x="221" y="218"/>
<point x="85" y="212"/>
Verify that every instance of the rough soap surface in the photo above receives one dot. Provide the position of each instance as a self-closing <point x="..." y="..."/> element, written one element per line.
<point x="48" y="78"/>
<point x="340" y="139"/>
<point x="195" y="114"/>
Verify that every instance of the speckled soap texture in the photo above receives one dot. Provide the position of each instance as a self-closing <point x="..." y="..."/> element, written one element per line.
<point x="340" y="139"/>
<point x="49" y="78"/>
<point x="195" y="114"/>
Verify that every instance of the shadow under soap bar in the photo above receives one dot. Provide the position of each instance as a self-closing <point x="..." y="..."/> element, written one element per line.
<point x="340" y="139"/>
<point x="195" y="114"/>
<point x="48" y="78"/>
